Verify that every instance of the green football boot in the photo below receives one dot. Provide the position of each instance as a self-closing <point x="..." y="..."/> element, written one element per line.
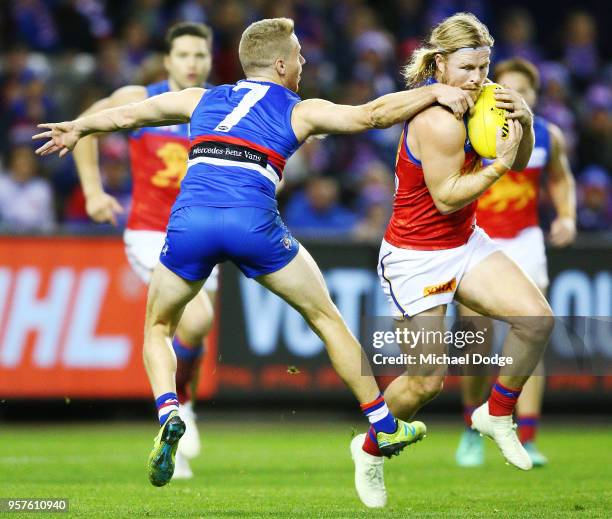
<point x="470" y="452"/>
<point x="537" y="458"/>
<point x="391" y="444"/>
<point x="161" y="459"/>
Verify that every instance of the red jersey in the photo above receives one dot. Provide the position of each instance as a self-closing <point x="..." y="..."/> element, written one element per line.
<point x="511" y="204"/>
<point x="158" y="157"/>
<point x="416" y="223"/>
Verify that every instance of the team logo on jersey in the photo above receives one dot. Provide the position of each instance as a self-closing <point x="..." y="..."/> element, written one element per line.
<point x="164" y="251"/>
<point x="287" y="242"/>
<point x="174" y="157"/>
<point x="513" y="191"/>
<point x="442" y="288"/>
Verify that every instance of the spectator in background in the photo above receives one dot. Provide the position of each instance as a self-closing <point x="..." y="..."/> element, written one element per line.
<point x="375" y="202"/>
<point x="34" y="22"/>
<point x="581" y="55"/>
<point x="313" y="158"/>
<point x="113" y="68"/>
<point x="517" y="37"/>
<point x="137" y="44"/>
<point x="553" y="102"/>
<point x="317" y="212"/>
<point x="375" y="52"/>
<point x="595" y="146"/>
<point x="595" y="200"/>
<point x="31" y="104"/>
<point x="60" y="55"/>
<point x="26" y="199"/>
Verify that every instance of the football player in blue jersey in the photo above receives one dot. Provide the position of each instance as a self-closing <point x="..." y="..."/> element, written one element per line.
<point x="157" y="166"/>
<point x="241" y="136"/>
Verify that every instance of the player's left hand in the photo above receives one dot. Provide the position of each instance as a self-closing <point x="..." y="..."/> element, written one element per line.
<point x="562" y="231"/>
<point x="62" y="137"/>
<point x="515" y="105"/>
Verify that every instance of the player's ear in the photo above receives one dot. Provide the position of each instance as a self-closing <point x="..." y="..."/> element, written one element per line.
<point x="280" y="66"/>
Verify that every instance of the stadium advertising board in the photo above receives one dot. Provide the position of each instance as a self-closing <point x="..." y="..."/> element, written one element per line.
<point x="72" y="313"/>
<point x="266" y="347"/>
<point x="71" y="320"/>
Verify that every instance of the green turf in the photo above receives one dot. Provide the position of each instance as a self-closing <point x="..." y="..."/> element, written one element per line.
<point x="293" y="470"/>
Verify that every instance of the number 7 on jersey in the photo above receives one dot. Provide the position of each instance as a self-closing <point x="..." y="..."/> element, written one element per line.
<point x="256" y="93"/>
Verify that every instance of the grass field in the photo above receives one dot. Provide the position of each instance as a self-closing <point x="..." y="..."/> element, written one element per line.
<point x="299" y="470"/>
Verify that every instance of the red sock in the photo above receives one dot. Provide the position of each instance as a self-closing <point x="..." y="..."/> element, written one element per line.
<point x="502" y="399"/>
<point x="187" y="362"/>
<point x="370" y="445"/>
<point x="467" y="414"/>
<point x="527" y="427"/>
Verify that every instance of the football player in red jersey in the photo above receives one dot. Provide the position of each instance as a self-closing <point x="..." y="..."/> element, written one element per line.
<point x="158" y="157"/>
<point x="433" y="253"/>
<point x="508" y="212"/>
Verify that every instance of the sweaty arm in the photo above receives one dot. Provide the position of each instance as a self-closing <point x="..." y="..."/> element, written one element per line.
<point x="525" y="148"/>
<point x="438" y="138"/>
<point x="86" y="151"/>
<point x="317" y="116"/>
<point x="161" y="110"/>
<point x="562" y="189"/>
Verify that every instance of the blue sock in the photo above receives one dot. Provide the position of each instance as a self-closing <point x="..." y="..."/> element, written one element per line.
<point x="185" y="352"/>
<point x="379" y="415"/>
<point x="166" y="403"/>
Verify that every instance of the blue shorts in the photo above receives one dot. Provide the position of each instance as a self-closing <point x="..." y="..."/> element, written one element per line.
<point x="199" y="237"/>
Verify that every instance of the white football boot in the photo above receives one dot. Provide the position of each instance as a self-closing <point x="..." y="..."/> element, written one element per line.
<point x="503" y="432"/>
<point x="182" y="470"/>
<point x="369" y="477"/>
<point x="189" y="446"/>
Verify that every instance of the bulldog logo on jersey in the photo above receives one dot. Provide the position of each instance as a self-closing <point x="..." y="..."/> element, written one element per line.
<point x="287" y="242"/>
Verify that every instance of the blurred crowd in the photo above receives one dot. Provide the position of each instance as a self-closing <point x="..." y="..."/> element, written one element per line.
<point x="59" y="56"/>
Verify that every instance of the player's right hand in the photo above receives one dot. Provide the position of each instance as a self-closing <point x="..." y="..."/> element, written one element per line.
<point x="507" y="147"/>
<point x="62" y="137"/>
<point x="458" y="100"/>
<point x="103" y="208"/>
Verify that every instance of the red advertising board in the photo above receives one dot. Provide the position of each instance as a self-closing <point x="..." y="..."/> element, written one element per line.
<point x="71" y="320"/>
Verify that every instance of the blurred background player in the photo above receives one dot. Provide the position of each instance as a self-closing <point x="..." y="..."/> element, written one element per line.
<point x="433" y="253"/>
<point x="508" y="212"/>
<point x="158" y="158"/>
<point x="241" y="136"/>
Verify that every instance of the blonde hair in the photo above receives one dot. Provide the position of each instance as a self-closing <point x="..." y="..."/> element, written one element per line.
<point x="263" y="42"/>
<point x="453" y="33"/>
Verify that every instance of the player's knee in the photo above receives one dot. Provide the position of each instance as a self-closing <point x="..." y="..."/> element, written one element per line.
<point x="320" y="315"/>
<point x="192" y="330"/>
<point x="423" y="389"/>
<point x="429" y="388"/>
<point x="537" y="323"/>
<point x="196" y="321"/>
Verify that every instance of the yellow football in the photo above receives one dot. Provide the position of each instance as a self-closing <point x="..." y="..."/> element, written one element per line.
<point x="485" y="120"/>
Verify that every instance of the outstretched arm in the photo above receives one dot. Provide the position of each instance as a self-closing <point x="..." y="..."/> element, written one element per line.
<point x="562" y="189"/>
<point x="161" y="110"/>
<point x="101" y="207"/>
<point x="316" y="116"/>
